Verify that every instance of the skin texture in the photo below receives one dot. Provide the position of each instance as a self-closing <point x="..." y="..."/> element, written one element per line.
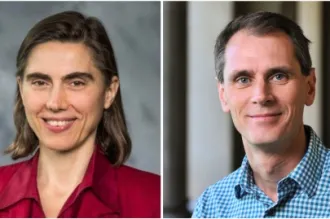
<point x="265" y="92"/>
<point x="61" y="82"/>
<point x="79" y="98"/>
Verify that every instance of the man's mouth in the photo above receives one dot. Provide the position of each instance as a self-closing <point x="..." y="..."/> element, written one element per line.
<point x="265" y="115"/>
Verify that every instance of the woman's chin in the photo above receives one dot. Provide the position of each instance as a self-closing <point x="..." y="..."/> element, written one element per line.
<point x="61" y="147"/>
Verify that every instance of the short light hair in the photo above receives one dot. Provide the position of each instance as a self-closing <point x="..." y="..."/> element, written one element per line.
<point x="261" y="23"/>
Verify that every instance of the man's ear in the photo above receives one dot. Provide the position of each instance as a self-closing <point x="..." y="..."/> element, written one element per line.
<point x="111" y="92"/>
<point x="311" y="87"/>
<point x="222" y="97"/>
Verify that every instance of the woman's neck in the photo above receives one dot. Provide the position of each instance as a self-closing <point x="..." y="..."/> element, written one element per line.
<point x="68" y="168"/>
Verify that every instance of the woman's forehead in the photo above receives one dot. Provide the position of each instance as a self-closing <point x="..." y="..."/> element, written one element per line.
<point x="60" y="59"/>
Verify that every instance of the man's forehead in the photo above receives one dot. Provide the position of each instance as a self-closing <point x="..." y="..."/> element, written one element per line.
<point x="250" y="39"/>
<point x="246" y="51"/>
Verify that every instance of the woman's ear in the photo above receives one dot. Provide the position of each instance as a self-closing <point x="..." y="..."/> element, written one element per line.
<point x="19" y="83"/>
<point x="111" y="92"/>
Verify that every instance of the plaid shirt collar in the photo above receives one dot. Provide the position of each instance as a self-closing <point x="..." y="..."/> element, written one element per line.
<point x="306" y="174"/>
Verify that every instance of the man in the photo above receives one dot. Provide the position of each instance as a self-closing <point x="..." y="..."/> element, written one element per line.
<point x="265" y="78"/>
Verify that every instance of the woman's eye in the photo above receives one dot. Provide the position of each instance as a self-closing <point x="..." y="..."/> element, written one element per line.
<point x="39" y="83"/>
<point x="77" y="83"/>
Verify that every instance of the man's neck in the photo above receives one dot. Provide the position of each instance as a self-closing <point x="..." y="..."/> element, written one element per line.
<point x="270" y="166"/>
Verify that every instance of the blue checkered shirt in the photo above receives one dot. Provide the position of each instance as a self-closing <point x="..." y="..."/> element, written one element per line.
<point x="305" y="192"/>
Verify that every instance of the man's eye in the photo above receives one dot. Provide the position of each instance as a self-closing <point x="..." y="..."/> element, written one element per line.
<point x="279" y="78"/>
<point x="243" y="80"/>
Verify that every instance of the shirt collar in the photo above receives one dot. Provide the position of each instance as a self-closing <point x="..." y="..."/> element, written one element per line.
<point x="307" y="173"/>
<point x="245" y="180"/>
<point x="100" y="177"/>
<point x="309" y="170"/>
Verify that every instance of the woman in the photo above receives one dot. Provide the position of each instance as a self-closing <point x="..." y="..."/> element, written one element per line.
<point x="69" y="110"/>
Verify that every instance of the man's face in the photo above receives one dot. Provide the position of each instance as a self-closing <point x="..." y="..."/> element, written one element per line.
<point x="264" y="88"/>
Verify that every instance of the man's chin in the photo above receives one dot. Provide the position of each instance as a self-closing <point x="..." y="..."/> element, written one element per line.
<point x="265" y="140"/>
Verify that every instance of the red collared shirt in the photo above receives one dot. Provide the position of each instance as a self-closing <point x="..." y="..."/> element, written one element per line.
<point x="105" y="191"/>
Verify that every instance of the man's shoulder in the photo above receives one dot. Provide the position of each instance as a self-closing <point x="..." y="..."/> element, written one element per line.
<point x="225" y="185"/>
<point x="217" y="196"/>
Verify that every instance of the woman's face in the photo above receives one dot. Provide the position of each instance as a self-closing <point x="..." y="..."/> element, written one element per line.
<point x="64" y="95"/>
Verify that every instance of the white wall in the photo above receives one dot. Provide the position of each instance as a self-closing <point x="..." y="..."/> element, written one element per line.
<point x="209" y="129"/>
<point x="309" y="17"/>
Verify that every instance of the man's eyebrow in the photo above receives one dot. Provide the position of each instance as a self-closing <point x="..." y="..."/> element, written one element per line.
<point x="43" y="76"/>
<point x="280" y="69"/>
<point x="239" y="73"/>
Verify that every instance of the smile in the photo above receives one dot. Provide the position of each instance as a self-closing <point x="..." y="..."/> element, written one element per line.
<point x="265" y="115"/>
<point x="269" y="117"/>
<point x="57" y="126"/>
<point x="58" y="123"/>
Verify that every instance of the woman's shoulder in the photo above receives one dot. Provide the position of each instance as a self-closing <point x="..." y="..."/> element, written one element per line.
<point x="140" y="191"/>
<point x="8" y="171"/>
<point x="134" y="173"/>
<point x="138" y="180"/>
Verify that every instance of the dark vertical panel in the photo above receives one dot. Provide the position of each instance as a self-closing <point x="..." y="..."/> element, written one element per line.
<point x="289" y="10"/>
<point x="254" y="6"/>
<point x="326" y="74"/>
<point x="174" y="106"/>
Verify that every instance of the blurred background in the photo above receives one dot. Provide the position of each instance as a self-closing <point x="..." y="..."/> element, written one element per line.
<point x="201" y="145"/>
<point x="134" y="29"/>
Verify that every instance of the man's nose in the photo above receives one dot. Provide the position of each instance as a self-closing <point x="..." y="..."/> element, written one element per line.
<point x="262" y="93"/>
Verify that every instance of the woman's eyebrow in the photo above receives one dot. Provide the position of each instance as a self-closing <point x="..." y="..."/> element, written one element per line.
<point x="78" y="75"/>
<point x="37" y="75"/>
<point x="43" y="76"/>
